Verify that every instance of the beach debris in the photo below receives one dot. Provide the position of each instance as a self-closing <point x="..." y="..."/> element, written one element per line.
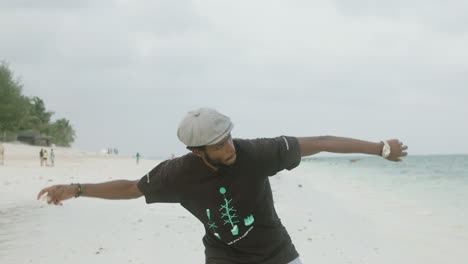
<point x="99" y="251"/>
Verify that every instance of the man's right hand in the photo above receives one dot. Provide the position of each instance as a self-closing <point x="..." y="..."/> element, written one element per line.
<point x="114" y="190"/>
<point x="58" y="193"/>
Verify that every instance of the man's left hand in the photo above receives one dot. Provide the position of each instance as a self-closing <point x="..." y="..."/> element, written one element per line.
<point x="397" y="150"/>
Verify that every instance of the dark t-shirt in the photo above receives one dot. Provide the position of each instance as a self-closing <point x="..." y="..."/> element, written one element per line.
<point x="235" y="203"/>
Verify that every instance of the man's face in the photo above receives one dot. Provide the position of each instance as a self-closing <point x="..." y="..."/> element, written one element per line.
<point x="222" y="153"/>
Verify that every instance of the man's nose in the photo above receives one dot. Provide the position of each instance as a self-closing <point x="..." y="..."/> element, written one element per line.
<point x="230" y="149"/>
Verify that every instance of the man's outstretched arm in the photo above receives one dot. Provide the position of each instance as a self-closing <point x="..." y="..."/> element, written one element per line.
<point x="119" y="189"/>
<point x="314" y="145"/>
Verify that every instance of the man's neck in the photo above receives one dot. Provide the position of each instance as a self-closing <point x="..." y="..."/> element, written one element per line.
<point x="209" y="164"/>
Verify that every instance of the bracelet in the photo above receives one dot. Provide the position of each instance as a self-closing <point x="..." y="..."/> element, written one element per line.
<point x="80" y="190"/>
<point x="386" y="150"/>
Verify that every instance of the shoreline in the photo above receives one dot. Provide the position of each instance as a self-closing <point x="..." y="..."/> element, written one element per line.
<point x="329" y="220"/>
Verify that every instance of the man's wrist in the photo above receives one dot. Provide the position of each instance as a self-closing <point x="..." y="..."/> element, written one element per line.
<point x="78" y="189"/>
<point x="376" y="149"/>
<point x="386" y="150"/>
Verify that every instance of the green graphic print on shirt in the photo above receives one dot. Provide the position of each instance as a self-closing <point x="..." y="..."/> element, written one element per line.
<point x="228" y="215"/>
<point x="212" y="225"/>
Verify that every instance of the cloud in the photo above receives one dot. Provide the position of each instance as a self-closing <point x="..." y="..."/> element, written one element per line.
<point x="125" y="72"/>
<point x="448" y="17"/>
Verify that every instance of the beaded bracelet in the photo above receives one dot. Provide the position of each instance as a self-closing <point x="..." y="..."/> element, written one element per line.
<point x="80" y="190"/>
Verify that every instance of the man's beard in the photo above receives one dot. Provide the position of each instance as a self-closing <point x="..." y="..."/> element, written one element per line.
<point x="215" y="163"/>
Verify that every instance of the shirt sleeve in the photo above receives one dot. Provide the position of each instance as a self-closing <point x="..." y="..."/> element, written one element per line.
<point x="160" y="185"/>
<point x="276" y="154"/>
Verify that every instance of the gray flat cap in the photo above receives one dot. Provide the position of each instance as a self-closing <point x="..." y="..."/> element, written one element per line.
<point x="204" y="126"/>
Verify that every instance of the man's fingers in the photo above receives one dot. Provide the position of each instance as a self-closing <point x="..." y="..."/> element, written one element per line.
<point x="48" y="190"/>
<point x="42" y="192"/>
<point x="44" y="197"/>
<point x="397" y="150"/>
<point x="57" y="202"/>
<point x="51" y="195"/>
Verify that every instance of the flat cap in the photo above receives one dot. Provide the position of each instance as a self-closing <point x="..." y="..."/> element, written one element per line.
<point x="204" y="126"/>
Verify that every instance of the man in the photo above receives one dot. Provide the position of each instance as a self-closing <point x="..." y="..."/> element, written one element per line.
<point x="224" y="183"/>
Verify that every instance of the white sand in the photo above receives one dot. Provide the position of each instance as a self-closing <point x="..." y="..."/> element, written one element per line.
<point x="329" y="222"/>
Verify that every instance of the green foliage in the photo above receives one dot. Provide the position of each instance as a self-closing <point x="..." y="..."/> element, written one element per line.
<point x="62" y="132"/>
<point x="38" y="117"/>
<point x="18" y="112"/>
<point x="13" y="105"/>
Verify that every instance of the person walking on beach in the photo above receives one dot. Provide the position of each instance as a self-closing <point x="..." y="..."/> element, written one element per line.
<point x="41" y="157"/>
<point x="138" y="158"/>
<point x="45" y="156"/>
<point x="224" y="182"/>
<point x="52" y="158"/>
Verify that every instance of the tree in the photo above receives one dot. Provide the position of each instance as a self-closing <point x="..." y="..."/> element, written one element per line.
<point x="13" y="105"/>
<point x="62" y="132"/>
<point x="38" y="117"/>
<point x="18" y="112"/>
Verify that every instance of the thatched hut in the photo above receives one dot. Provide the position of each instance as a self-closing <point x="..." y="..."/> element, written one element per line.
<point x="34" y="138"/>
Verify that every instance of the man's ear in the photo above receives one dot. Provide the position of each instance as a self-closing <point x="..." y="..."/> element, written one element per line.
<point x="197" y="153"/>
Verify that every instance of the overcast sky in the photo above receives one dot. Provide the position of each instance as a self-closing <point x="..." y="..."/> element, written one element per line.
<point x="125" y="72"/>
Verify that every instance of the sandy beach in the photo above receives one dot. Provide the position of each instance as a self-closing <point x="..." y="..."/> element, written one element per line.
<point x="329" y="222"/>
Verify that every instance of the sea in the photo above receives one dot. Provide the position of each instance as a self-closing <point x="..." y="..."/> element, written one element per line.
<point x="436" y="183"/>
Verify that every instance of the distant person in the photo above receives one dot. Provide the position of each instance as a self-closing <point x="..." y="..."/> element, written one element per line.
<point x="2" y="154"/>
<point x="41" y="157"/>
<point x="52" y="158"/>
<point x="45" y="156"/>
<point x="224" y="182"/>
<point x="138" y="158"/>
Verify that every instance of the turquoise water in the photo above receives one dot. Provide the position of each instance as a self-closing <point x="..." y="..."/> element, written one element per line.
<point x="434" y="181"/>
